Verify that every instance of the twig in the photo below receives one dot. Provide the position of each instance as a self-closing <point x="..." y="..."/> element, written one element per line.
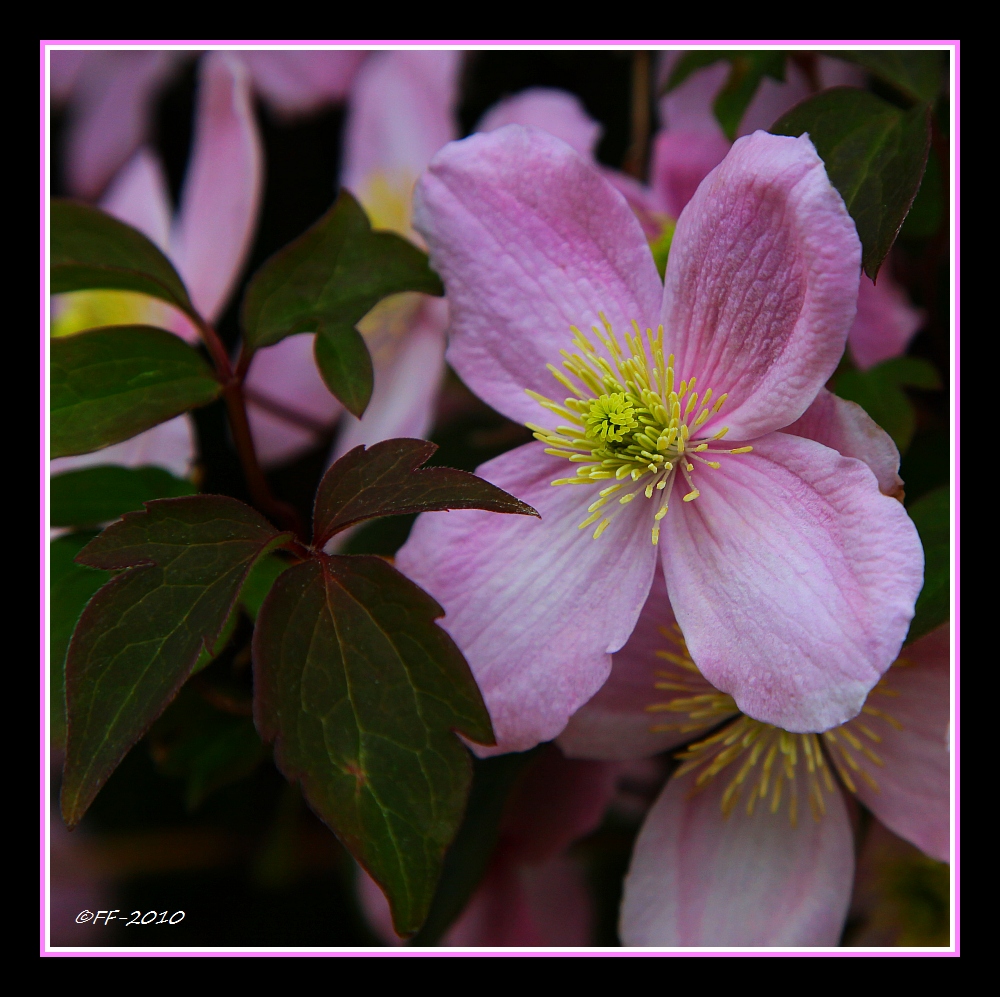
<point x="635" y="158"/>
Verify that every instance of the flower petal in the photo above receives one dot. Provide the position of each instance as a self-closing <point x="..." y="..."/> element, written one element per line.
<point x="110" y="116"/>
<point x="913" y="793"/>
<point x="698" y="878"/>
<point x="223" y="186"/>
<point x="688" y="107"/>
<point x="289" y="406"/>
<point x="847" y="428"/>
<point x="617" y="725"/>
<point x="793" y="580"/>
<point x="761" y="283"/>
<point x="773" y="98"/>
<point x="294" y="83"/>
<point x="555" y="111"/>
<point x="140" y="197"/>
<point x="530" y="239"/>
<point x="535" y="605"/>
<point x="170" y="445"/>
<point x="402" y="111"/>
<point x="681" y="160"/>
<point x="886" y="321"/>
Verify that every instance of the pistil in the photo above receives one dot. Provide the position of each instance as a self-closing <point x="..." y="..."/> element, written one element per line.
<point x="631" y="421"/>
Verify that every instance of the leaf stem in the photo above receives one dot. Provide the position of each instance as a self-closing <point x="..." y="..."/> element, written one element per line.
<point x="281" y="512"/>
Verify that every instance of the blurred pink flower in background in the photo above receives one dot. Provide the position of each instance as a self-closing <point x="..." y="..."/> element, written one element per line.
<point x="110" y="95"/>
<point x="760" y="292"/>
<point x="207" y="239"/>
<point x="402" y="111"/>
<point x="750" y="843"/>
<point x="691" y="143"/>
<point x="533" y="892"/>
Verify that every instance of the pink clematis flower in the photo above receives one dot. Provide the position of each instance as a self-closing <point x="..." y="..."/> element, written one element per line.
<point x="793" y="577"/>
<point x="750" y="842"/>
<point x="207" y="240"/>
<point x="691" y="143"/>
<point x="533" y="893"/>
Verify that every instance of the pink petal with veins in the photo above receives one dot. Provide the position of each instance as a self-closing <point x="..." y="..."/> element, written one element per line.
<point x="761" y="283"/>
<point x="536" y="606"/>
<point x="793" y="580"/>
<point x="847" y="428"/>
<point x="530" y="239"/>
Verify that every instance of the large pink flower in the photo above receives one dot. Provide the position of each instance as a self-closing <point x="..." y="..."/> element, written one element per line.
<point x="792" y="576"/>
<point x="750" y="843"/>
<point x="207" y="239"/>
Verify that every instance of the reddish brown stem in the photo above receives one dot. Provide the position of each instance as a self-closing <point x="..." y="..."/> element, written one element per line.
<point x="642" y="82"/>
<point x="232" y="391"/>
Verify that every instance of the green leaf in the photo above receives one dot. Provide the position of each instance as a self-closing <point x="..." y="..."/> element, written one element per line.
<point x="387" y="480"/>
<point x="875" y="156"/>
<point x="932" y="517"/>
<point x="747" y="69"/>
<point x="109" y="384"/>
<point x="96" y="495"/>
<point x="363" y="693"/>
<point x="70" y="587"/>
<point x="467" y="859"/>
<point x="89" y="250"/>
<point x="259" y="582"/>
<point x="345" y="365"/>
<point x="326" y="281"/>
<point x="141" y="635"/>
<point x="918" y="75"/>
<point x="204" y="747"/>
<point x="879" y="391"/>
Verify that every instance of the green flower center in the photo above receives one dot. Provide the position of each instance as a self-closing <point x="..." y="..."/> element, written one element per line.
<point x="629" y="420"/>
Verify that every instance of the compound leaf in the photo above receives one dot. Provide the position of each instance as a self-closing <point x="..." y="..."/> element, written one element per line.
<point x="362" y="693"/>
<point x="181" y="564"/>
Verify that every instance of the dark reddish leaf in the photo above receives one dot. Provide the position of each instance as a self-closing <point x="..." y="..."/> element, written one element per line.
<point x="387" y="480"/>
<point x="362" y="693"/>
<point x="142" y="634"/>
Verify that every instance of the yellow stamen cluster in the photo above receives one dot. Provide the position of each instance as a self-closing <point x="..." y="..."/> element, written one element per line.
<point x="629" y="421"/>
<point x="765" y="764"/>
